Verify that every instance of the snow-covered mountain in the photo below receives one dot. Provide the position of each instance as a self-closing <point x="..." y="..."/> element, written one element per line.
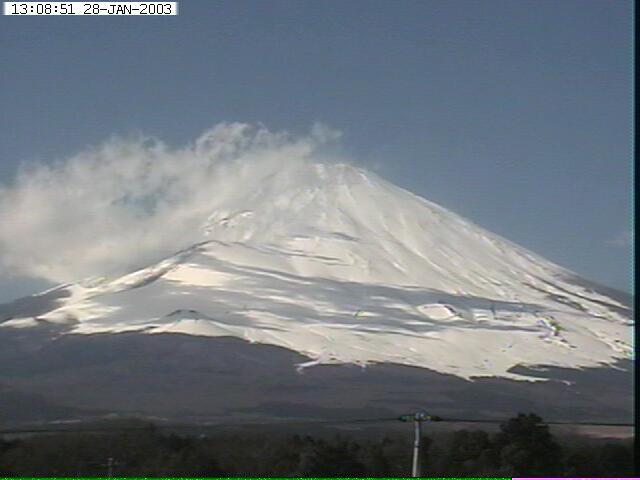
<point x="341" y="266"/>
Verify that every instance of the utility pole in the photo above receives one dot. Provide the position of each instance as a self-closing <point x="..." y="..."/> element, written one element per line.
<point x="110" y="467"/>
<point x="111" y="462"/>
<point x="415" y="466"/>
<point x="417" y="418"/>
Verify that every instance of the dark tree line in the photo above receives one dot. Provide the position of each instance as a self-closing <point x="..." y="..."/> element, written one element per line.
<point x="522" y="447"/>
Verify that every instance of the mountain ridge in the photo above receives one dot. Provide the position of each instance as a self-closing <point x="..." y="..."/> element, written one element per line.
<point x="341" y="266"/>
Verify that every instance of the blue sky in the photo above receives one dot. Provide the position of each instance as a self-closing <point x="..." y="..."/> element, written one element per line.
<point x="514" y="114"/>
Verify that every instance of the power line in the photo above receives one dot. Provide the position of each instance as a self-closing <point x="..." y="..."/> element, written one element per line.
<point x="196" y="426"/>
<point x="543" y="422"/>
<point x="353" y="421"/>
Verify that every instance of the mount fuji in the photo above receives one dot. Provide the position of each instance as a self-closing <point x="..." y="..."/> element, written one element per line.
<point x="322" y="266"/>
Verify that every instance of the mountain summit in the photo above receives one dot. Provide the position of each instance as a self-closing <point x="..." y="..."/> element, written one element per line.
<point x="341" y="266"/>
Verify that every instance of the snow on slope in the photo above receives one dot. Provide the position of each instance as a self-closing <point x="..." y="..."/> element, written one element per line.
<point x="340" y="265"/>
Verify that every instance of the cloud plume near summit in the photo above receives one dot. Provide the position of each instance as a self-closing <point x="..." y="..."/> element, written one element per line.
<point x="268" y="238"/>
<point x="128" y="202"/>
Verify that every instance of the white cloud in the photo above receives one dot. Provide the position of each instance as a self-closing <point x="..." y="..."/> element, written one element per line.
<point x="128" y="202"/>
